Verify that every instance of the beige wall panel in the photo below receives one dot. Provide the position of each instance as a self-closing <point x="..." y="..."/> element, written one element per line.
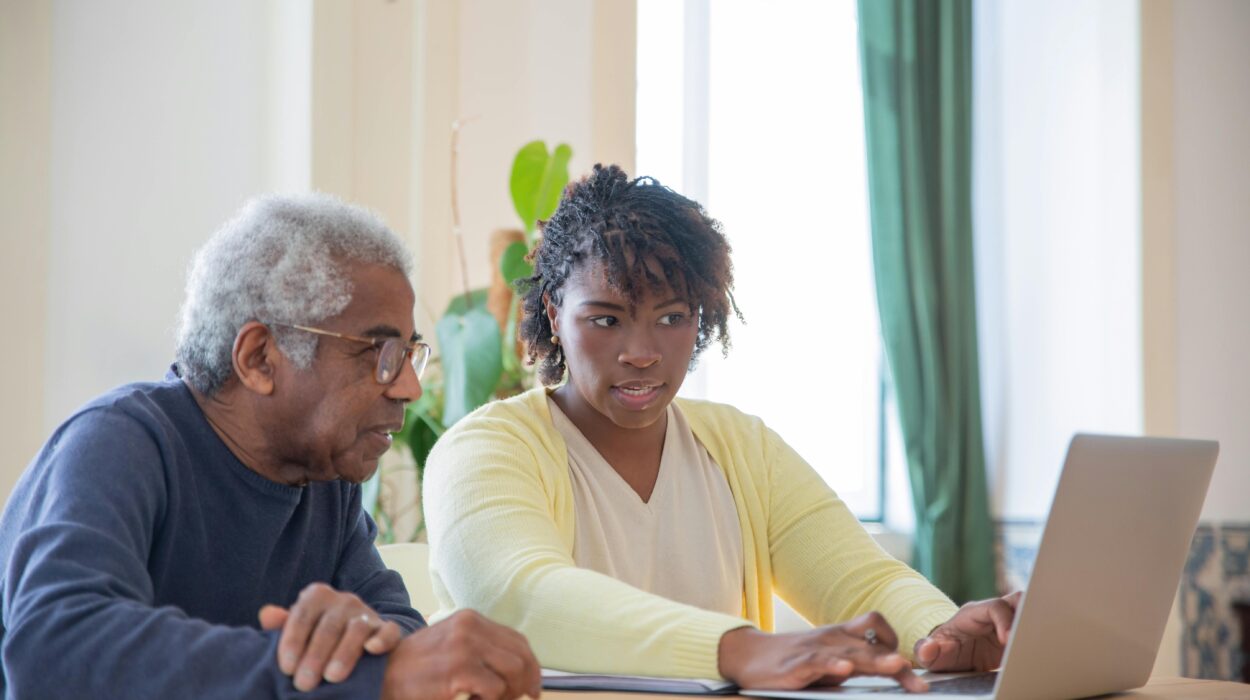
<point x="25" y="122"/>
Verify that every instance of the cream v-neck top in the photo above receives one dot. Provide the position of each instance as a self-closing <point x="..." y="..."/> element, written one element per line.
<point x="684" y="544"/>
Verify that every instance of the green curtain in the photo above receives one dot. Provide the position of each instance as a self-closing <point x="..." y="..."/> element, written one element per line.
<point x="916" y="57"/>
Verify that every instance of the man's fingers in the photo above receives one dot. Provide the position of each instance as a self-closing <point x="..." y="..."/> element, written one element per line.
<point x="351" y="645"/>
<point x="384" y="639"/>
<point x="477" y="680"/>
<point x="515" y="644"/>
<point x="272" y="617"/>
<point x="303" y="618"/>
<point x="321" y="645"/>
<point x="511" y="669"/>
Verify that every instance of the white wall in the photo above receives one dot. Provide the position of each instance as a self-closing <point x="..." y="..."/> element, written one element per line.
<point x="157" y="120"/>
<point x="1057" y="235"/>
<point x="25" y="67"/>
<point x="1212" y="240"/>
<point x="132" y="129"/>
<point x="557" y="70"/>
<point x="159" y="133"/>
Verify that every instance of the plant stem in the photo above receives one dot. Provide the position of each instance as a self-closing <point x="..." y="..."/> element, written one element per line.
<point x="510" y="361"/>
<point x="455" y="209"/>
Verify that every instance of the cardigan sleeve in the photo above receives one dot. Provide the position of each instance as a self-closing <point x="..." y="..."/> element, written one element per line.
<point x="828" y="567"/>
<point x="491" y="503"/>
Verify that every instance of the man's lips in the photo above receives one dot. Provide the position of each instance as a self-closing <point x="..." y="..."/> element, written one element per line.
<point x="381" y="434"/>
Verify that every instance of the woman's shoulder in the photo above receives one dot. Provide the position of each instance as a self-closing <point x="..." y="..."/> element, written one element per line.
<point x="519" y="423"/>
<point x="525" y="412"/>
<point x="718" y="414"/>
<point x="722" y="427"/>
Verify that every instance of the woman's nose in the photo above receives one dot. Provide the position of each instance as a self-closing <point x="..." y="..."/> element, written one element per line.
<point x="640" y="351"/>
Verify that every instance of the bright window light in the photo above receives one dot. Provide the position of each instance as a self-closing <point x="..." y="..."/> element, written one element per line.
<point x="755" y="109"/>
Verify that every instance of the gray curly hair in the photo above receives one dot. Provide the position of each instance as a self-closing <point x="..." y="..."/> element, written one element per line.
<point x="281" y="259"/>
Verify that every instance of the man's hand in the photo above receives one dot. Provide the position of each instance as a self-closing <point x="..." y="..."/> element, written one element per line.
<point x="324" y="634"/>
<point x="972" y="640"/>
<point x="465" y="655"/>
<point x="824" y="656"/>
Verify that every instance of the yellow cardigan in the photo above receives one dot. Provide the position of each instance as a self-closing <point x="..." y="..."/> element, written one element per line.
<point x="499" y="508"/>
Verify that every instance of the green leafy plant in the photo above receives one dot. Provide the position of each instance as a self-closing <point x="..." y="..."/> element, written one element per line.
<point x="476" y="360"/>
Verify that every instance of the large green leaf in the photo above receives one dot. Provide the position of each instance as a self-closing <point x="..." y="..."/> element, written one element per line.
<point x="555" y="177"/>
<point x="472" y="355"/>
<point x="526" y="181"/>
<point x="513" y="265"/>
<point x="477" y="298"/>
<point x="537" y="180"/>
<point x="421" y="429"/>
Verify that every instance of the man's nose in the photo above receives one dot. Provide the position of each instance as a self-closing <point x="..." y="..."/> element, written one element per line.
<point x="406" y="387"/>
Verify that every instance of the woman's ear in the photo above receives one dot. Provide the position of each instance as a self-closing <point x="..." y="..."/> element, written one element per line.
<point x="552" y="313"/>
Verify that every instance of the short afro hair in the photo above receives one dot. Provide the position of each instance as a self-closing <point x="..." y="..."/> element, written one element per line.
<point x="623" y="223"/>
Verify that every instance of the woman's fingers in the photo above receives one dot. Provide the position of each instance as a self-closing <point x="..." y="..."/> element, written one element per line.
<point x="870" y="627"/>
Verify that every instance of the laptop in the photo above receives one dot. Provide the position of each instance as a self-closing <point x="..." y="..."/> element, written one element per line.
<point x="1103" y="581"/>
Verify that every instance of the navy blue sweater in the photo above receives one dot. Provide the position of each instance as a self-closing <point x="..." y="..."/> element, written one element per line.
<point x="138" y="549"/>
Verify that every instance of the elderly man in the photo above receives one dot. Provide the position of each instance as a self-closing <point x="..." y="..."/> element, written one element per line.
<point x="202" y="536"/>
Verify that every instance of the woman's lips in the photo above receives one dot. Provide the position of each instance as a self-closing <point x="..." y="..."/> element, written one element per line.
<point x="636" y="398"/>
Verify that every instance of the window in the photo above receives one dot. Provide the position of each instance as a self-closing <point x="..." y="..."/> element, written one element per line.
<point x="755" y="110"/>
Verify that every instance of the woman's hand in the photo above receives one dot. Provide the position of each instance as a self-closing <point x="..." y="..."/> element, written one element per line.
<point x="824" y="656"/>
<point x="324" y="634"/>
<point x="972" y="640"/>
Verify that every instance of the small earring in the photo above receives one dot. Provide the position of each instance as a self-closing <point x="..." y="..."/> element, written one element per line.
<point x="555" y="339"/>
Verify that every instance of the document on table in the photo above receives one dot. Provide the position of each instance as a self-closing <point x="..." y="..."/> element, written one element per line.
<point x="563" y="680"/>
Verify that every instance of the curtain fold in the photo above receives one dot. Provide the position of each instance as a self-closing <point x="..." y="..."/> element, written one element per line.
<point x="916" y="58"/>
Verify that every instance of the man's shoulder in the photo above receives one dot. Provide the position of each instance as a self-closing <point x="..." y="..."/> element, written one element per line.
<point x="167" y="399"/>
<point x="109" y="457"/>
<point x="123" y="426"/>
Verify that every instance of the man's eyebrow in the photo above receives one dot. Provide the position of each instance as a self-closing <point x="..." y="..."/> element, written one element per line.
<point x="383" y="331"/>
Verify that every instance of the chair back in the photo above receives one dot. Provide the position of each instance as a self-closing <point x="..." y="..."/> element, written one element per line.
<point x="412" y="561"/>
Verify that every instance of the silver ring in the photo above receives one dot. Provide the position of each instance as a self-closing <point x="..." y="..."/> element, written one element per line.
<point x="870" y="636"/>
<point x="366" y="618"/>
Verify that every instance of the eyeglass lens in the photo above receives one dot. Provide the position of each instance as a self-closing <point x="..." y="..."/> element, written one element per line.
<point x="391" y="358"/>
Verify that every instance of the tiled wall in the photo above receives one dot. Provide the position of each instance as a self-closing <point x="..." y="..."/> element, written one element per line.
<point x="1217" y="574"/>
<point x="1017" y="544"/>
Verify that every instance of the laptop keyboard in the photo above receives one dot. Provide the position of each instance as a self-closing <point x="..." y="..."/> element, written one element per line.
<point x="976" y="684"/>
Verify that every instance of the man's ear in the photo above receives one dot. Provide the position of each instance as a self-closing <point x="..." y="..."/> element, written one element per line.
<point x="255" y="357"/>
<point x="552" y="311"/>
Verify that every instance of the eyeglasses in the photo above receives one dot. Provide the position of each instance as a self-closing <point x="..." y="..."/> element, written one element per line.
<point x="391" y="354"/>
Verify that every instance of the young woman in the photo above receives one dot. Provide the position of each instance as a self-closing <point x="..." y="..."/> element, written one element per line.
<point x="624" y="530"/>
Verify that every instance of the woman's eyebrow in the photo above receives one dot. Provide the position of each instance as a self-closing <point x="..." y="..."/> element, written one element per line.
<point x="603" y="304"/>
<point x="670" y="302"/>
